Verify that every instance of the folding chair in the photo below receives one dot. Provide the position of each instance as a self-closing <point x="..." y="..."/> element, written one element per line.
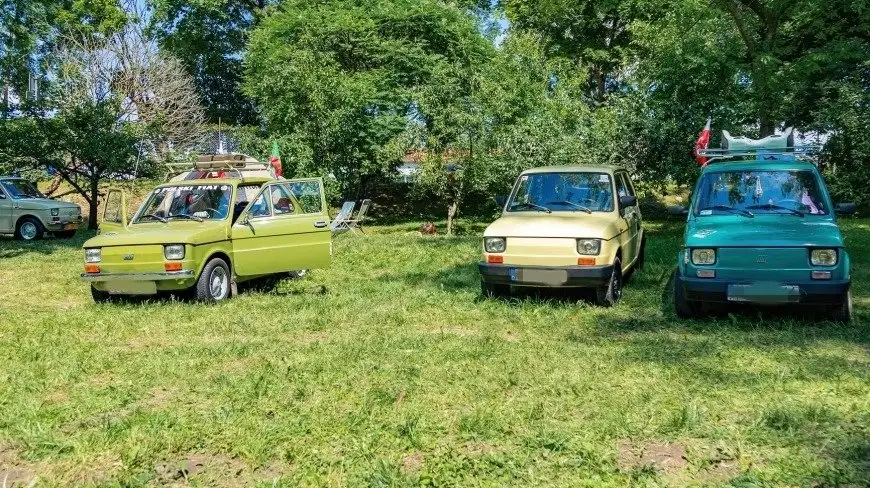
<point x="341" y="222"/>
<point x="356" y="224"/>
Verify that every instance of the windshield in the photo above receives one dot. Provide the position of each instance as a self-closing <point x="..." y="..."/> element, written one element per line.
<point x="563" y="192"/>
<point x="753" y="192"/>
<point x="21" y="189"/>
<point x="198" y="202"/>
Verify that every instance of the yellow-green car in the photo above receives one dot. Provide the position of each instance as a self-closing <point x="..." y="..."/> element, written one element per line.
<point x="565" y="226"/>
<point x="207" y="235"/>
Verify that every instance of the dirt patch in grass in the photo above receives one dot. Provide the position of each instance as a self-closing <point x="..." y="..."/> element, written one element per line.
<point x="214" y="470"/>
<point x="665" y="458"/>
<point x="476" y="449"/>
<point x="412" y="462"/>
<point x="13" y="471"/>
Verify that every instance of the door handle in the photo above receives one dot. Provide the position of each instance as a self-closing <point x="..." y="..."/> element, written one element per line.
<point x="320" y="224"/>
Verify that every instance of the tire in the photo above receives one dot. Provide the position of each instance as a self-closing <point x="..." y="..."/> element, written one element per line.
<point x="29" y="229"/>
<point x="494" y="290"/>
<point x="610" y="294"/>
<point x="65" y="234"/>
<point x="214" y="283"/>
<point x="842" y="312"/>
<point x="298" y="274"/>
<point x="685" y="309"/>
<point x="100" y="296"/>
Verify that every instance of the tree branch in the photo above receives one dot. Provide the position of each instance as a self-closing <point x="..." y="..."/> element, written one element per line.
<point x="737" y="15"/>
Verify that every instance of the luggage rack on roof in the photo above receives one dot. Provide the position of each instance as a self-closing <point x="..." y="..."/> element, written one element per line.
<point x="218" y="166"/>
<point x="771" y="148"/>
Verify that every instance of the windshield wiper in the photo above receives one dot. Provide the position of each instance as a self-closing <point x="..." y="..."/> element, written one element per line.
<point x="566" y="202"/>
<point x="773" y="206"/>
<point x="186" y="216"/>
<point x="532" y="205"/>
<point x="155" y="217"/>
<point x="726" y="208"/>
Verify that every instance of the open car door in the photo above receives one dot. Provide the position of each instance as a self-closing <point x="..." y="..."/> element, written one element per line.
<point x="114" y="218"/>
<point x="285" y="228"/>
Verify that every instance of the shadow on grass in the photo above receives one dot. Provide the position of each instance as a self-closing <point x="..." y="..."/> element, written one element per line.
<point x="11" y="247"/>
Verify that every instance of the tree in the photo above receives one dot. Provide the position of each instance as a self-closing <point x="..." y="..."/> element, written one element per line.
<point x="211" y="37"/>
<point x="346" y="77"/>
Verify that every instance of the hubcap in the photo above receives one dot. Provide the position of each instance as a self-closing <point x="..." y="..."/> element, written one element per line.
<point x="218" y="283"/>
<point x="28" y="230"/>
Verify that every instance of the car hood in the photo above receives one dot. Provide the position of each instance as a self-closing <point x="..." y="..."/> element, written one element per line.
<point x="42" y="204"/>
<point x="763" y="231"/>
<point x="159" y="233"/>
<point x="571" y="224"/>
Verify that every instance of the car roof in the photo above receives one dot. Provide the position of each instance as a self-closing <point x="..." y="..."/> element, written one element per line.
<point x="754" y="165"/>
<point x="574" y="168"/>
<point x="254" y="180"/>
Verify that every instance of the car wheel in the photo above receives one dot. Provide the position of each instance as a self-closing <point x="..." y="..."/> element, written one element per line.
<point x="214" y="282"/>
<point x="299" y="273"/>
<point x="685" y="309"/>
<point x="494" y="290"/>
<point x="29" y="229"/>
<point x="65" y="234"/>
<point x="842" y="312"/>
<point x="609" y="294"/>
<point x="100" y="296"/>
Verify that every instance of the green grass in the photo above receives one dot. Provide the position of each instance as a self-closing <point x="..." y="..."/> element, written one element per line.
<point x="401" y="375"/>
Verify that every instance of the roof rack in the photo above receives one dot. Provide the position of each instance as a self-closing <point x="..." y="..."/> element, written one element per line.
<point x="231" y="165"/>
<point x="771" y="148"/>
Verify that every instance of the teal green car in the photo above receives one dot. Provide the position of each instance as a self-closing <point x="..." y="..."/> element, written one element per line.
<point x="763" y="232"/>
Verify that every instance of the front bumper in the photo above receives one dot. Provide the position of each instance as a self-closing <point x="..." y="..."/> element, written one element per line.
<point x="541" y="276"/>
<point x="716" y="291"/>
<point x="162" y="276"/>
<point x="63" y="225"/>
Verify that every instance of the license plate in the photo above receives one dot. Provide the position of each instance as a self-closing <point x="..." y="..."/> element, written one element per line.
<point x="70" y="226"/>
<point x="764" y="293"/>
<point x="551" y="277"/>
<point x="131" y="287"/>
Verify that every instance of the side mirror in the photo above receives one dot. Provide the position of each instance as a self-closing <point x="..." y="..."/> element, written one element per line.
<point x="845" y="208"/>
<point x="627" y="201"/>
<point x="678" y="210"/>
<point x="500" y="201"/>
<point x="2" y="196"/>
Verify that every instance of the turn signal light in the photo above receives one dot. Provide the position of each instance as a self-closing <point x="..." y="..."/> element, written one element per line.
<point x="706" y="273"/>
<point x="495" y="259"/>
<point x="173" y="266"/>
<point x="586" y="261"/>
<point x="821" y="275"/>
<point x="92" y="268"/>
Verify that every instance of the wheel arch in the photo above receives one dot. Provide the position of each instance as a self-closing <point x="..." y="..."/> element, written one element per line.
<point x="30" y="216"/>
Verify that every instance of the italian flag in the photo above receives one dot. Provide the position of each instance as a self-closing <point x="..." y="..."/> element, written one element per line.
<point x="275" y="160"/>
<point x="702" y="143"/>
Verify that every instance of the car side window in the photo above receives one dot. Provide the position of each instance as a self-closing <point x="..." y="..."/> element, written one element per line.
<point x="628" y="184"/>
<point x="621" y="188"/>
<point x="308" y="194"/>
<point x="261" y="207"/>
<point x="282" y="203"/>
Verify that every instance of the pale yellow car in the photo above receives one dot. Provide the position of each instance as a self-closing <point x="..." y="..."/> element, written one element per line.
<point x="565" y="226"/>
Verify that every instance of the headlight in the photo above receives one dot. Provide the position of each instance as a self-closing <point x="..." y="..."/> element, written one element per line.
<point x="823" y="257"/>
<point x="55" y="212"/>
<point x="703" y="256"/>
<point x="589" y="247"/>
<point x="494" y="244"/>
<point x="93" y="255"/>
<point x="173" y="252"/>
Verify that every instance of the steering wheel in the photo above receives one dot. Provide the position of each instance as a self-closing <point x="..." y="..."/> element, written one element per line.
<point x="213" y="211"/>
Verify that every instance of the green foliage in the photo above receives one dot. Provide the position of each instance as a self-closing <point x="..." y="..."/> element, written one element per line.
<point x="347" y="77"/>
<point x="210" y="37"/>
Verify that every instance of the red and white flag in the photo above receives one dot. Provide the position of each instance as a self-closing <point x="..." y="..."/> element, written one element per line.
<point x="702" y="143"/>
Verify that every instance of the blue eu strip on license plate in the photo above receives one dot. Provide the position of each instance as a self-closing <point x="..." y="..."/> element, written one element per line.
<point x="513" y="274"/>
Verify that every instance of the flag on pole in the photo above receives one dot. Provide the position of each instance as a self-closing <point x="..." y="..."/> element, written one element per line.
<point x="275" y="160"/>
<point x="702" y="143"/>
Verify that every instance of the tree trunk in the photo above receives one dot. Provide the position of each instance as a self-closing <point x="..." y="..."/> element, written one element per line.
<point x="94" y="201"/>
<point x="452" y="210"/>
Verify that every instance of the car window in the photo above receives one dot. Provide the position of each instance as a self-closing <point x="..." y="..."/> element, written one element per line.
<point x="282" y="203"/>
<point x="621" y="187"/>
<point x="261" y="207"/>
<point x="308" y="194"/>
<point x="766" y="191"/>
<point x="628" y="185"/>
<point x="562" y="192"/>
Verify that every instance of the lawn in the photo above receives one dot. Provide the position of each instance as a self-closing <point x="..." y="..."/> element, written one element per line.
<point x="388" y="369"/>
